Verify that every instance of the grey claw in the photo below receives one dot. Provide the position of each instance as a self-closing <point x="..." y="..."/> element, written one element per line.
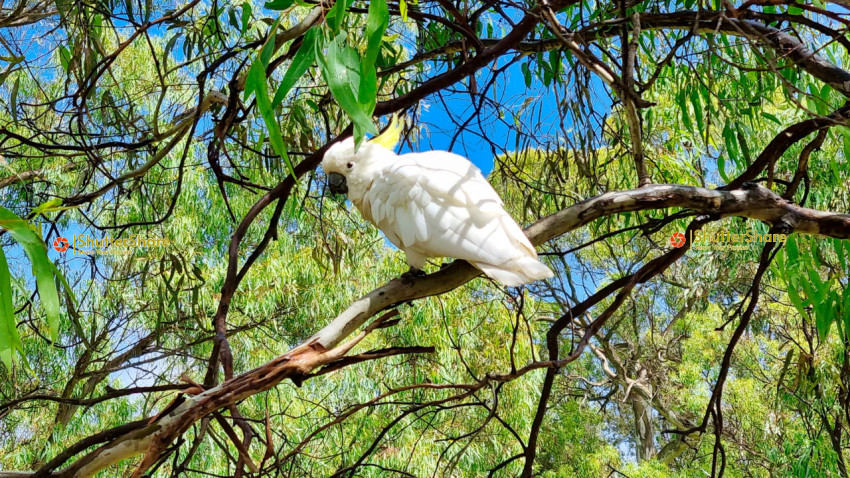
<point x="411" y="275"/>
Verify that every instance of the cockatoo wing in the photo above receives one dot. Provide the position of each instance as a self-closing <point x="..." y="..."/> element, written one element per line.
<point x="438" y="204"/>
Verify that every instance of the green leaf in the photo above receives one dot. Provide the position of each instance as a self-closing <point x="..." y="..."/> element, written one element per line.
<point x="275" y="138"/>
<point x="555" y="62"/>
<point x="9" y="338"/>
<point x="257" y="71"/>
<point x="825" y="92"/>
<point x="268" y="48"/>
<point x="697" y="104"/>
<point x="255" y="79"/>
<point x="795" y="298"/>
<point x="259" y="145"/>
<point x="402" y="9"/>
<point x="823" y="318"/>
<point x="771" y="118"/>
<point x="845" y="308"/>
<point x="47" y="206"/>
<point x="780" y="266"/>
<point x="234" y="22"/>
<point x="793" y="250"/>
<point x="336" y="15"/>
<point x="838" y="247"/>
<point x="811" y="292"/>
<point x="267" y="112"/>
<point x="256" y="82"/>
<point x="721" y="168"/>
<point x="367" y="93"/>
<point x="376" y="25"/>
<point x="300" y="63"/>
<point x="731" y="142"/>
<point x="339" y="78"/>
<point x="42" y="268"/>
<point x="97" y="25"/>
<point x="845" y="133"/>
<point x="526" y="74"/>
<point x="742" y="144"/>
<point x="817" y="100"/>
<point x="686" y="114"/>
<point x="547" y="74"/>
<point x="820" y="288"/>
<point x="13" y="99"/>
<point x="64" y="57"/>
<point x="278" y="4"/>
<point x="246" y="16"/>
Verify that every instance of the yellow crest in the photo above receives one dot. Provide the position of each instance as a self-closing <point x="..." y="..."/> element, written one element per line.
<point x="389" y="138"/>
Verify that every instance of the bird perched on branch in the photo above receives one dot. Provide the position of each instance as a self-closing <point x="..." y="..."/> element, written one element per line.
<point x="432" y="204"/>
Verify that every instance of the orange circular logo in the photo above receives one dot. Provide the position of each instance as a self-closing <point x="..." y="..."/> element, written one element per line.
<point x="677" y="239"/>
<point x="60" y="244"/>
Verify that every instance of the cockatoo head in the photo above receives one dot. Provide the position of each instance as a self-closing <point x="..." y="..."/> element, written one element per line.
<point x="350" y="171"/>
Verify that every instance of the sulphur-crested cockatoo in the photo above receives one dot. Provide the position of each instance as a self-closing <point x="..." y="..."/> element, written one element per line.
<point x="432" y="204"/>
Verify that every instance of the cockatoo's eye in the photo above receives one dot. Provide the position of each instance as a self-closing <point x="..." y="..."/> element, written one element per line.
<point x="349" y="165"/>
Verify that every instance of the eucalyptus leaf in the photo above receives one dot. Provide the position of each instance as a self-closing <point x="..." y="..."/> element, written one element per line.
<point x="376" y="25"/>
<point x="9" y="338"/>
<point x="13" y="99"/>
<point x="340" y="80"/>
<point x="42" y="268"/>
<point x="302" y="60"/>
<point x="279" y="4"/>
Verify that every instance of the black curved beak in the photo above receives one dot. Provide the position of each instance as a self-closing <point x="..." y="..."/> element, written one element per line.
<point x="336" y="183"/>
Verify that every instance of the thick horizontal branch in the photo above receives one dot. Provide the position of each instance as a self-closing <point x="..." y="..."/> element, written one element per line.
<point x="755" y="203"/>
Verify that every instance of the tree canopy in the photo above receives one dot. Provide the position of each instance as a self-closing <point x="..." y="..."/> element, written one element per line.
<point x="180" y="296"/>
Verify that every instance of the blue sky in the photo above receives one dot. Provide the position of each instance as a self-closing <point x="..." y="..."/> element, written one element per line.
<point x="533" y="105"/>
<point x="440" y="113"/>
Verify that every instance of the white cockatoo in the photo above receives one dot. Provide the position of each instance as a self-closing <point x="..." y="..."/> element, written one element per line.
<point x="432" y="204"/>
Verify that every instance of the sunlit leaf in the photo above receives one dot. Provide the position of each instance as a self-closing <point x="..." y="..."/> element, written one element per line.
<point x="257" y="83"/>
<point x="13" y="99"/>
<point x="376" y="25"/>
<point x="9" y="338"/>
<point x="300" y="63"/>
<point x="42" y="268"/>
<point x="279" y="4"/>
<point x="340" y="80"/>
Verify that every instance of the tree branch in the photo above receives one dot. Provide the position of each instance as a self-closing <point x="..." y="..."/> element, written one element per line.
<point x="755" y="202"/>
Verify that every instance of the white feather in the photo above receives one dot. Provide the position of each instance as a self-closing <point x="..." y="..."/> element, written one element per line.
<point x="438" y="204"/>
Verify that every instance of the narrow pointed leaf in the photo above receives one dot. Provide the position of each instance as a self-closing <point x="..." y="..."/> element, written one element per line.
<point x="9" y="338"/>
<point x="300" y="63"/>
<point x="42" y="268"/>
<point x="340" y="82"/>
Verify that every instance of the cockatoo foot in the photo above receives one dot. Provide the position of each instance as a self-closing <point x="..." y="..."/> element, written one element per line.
<point x="411" y="275"/>
<point x="445" y="264"/>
